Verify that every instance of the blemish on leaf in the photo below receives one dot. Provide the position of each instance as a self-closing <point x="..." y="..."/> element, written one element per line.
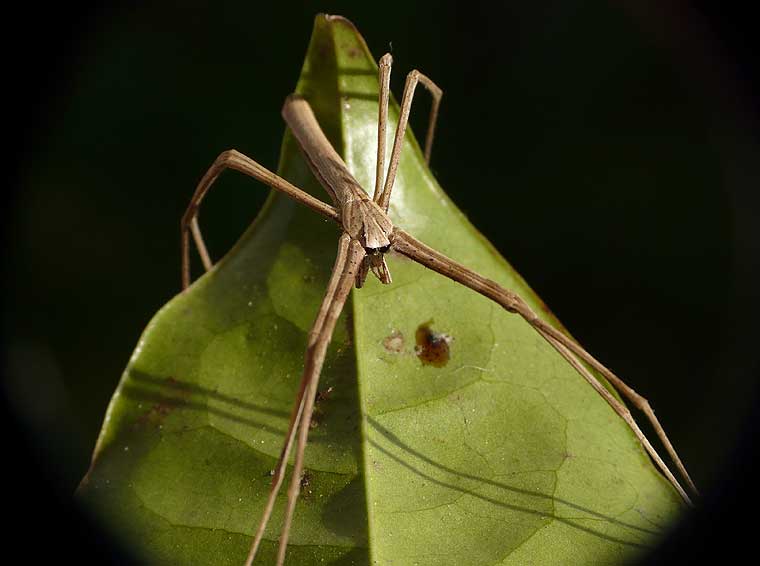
<point x="305" y="479"/>
<point x="173" y="395"/>
<point x="432" y="347"/>
<point x="324" y="394"/>
<point x="306" y="490"/>
<point x="394" y="342"/>
<point x="320" y="403"/>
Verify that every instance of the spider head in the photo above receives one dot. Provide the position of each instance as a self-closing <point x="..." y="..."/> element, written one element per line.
<point x="374" y="261"/>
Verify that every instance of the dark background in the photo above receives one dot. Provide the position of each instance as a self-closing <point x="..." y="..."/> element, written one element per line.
<point x="609" y="150"/>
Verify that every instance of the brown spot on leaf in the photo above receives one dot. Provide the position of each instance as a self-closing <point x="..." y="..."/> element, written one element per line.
<point x="320" y="406"/>
<point x="394" y="343"/>
<point x="173" y="395"/>
<point x="432" y="347"/>
<point x="305" y="479"/>
<point x="306" y="490"/>
<point x="324" y="394"/>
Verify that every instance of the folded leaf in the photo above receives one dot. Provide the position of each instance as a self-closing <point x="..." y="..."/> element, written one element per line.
<point x="446" y="431"/>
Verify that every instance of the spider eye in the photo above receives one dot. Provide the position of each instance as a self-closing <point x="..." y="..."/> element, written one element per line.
<point x="383" y="249"/>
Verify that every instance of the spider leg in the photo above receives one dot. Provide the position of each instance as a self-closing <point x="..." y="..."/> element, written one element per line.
<point x="624" y="389"/>
<point x="232" y="159"/>
<point x="315" y="356"/>
<point x="414" y="77"/>
<point x="568" y="348"/>
<point x="384" y="78"/>
<point x="617" y="406"/>
<point x="348" y="257"/>
<point x="295" y="417"/>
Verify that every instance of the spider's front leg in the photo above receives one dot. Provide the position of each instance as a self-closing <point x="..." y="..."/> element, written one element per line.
<point x="349" y="258"/>
<point x="383" y="187"/>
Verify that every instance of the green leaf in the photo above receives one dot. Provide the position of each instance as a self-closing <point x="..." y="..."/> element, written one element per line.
<point x="500" y="454"/>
